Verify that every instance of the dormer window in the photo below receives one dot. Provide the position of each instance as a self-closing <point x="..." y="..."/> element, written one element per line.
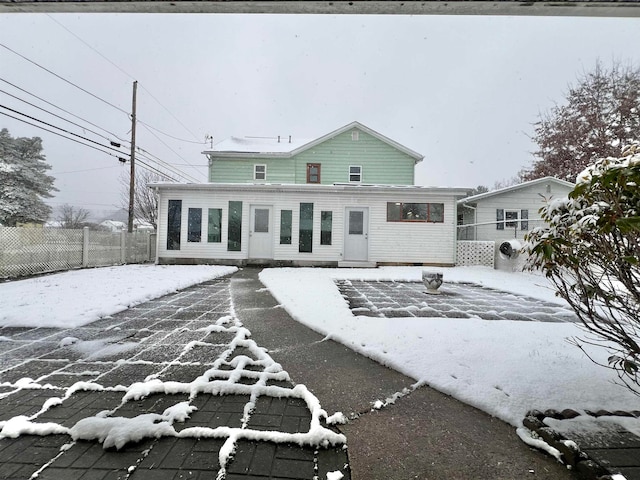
<point x="313" y="173"/>
<point x="355" y="173"/>
<point x="260" y="172"/>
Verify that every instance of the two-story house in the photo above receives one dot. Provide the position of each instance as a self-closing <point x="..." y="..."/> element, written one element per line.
<point x="346" y="198"/>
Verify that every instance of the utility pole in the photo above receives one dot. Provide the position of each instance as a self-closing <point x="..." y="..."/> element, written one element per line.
<point x="133" y="157"/>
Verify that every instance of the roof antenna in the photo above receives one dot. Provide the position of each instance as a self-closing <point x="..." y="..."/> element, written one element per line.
<point x="289" y="138"/>
<point x="209" y="138"/>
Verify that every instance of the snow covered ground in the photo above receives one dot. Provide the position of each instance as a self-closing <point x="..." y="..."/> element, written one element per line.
<point x="78" y="297"/>
<point x="502" y="367"/>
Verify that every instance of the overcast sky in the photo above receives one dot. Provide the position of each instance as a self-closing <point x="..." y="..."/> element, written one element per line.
<point x="462" y="91"/>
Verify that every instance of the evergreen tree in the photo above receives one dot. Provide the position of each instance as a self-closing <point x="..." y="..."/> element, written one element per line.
<point x="600" y="117"/>
<point x="23" y="180"/>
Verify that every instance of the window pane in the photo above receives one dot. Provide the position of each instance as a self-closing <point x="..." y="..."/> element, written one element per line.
<point x="414" y="211"/>
<point x="174" y="221"/>
<point x="436" y="212"/>
<point x="325" y="227"/>
<point x="355" y="173"/>
<point x="285" y="227"/>
<point x="214" y="233"/>
<point x="511" y="215"/>
<point x="234" y="243"/>
<point x="194" y="225"/>
<point x="306" y="227"/>
<point x="356" y="223"/>
<point x="313" y="173"/>
<point x="260" y="172"/>
<point x="394" y="212"/>
<point x="261" y="220"/>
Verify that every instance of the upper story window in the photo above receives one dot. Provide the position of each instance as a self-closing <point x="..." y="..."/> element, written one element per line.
<point x="259" y="172"/>
<point x="355" y="173"/>
<point x="415" y="212"/>
<point x="313" y="173"/>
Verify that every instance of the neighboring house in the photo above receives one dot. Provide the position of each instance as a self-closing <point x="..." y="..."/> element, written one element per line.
<point x="352" y="154"/>
<point x="346" y="198"/>
<point x="112" y="226"/>
<point x="508" y="213"/>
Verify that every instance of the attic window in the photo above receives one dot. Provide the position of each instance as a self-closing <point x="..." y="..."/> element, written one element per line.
<point x="355" y="135"/>
<point x="313" y="173"/>
<point x="259" y="172"/>
<point x="355" y="173"/>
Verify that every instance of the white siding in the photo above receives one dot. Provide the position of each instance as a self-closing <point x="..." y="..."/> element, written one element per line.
<point x="530" y="198"/>
<point x="393" y="242"/>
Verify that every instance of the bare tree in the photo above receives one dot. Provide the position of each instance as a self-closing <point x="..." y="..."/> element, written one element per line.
<point x="145" y="200"/>
<point x="600" y="117"/>
<point x="72" y="217"/>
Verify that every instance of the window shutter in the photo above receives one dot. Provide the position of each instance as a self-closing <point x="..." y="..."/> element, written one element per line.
<point x="524" y="219"/>
<point x="499" y="218"/>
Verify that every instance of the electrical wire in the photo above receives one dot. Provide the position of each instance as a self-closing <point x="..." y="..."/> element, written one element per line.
<point x="170" y="136"/>
<point x="64" y="79"/>
<point x="87" y="170"/>
<point x="161" y="141"/>
<point x="133" y="78"/>
<point x="59" y="134"/>
<point x="59" y="128"/>
<point x="63" y="110"/>
<point x="57" y="116"/>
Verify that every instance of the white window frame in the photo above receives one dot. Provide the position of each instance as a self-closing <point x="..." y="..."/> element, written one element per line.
<point x="359" y="174"/>
<point x="255" y="172"/>
<point x="355" y="136"/>
<point x="511" y="222"/>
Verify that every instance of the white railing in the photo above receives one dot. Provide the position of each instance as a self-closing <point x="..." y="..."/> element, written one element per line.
<point x="28" y="251"/>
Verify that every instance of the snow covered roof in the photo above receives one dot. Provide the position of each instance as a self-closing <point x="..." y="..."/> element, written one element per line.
<point x="530" y="183"/>
<point x="288" y="146"/>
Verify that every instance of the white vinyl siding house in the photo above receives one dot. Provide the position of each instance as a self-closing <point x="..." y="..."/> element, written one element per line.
<point x="346" y="223"/>
<point x="508" y="213"/>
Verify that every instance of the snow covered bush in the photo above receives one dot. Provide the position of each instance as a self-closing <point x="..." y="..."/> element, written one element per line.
<point x="590" y="250"/>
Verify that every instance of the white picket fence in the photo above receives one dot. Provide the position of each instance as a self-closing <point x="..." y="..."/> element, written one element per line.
<point x="27" y="251"/>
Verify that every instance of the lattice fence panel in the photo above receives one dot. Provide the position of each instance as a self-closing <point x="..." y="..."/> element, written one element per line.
<point x="472" y="253"/>
<point x="138" y="247"/>
<point x="104" y="249"/>
<point x="27" y="251"/>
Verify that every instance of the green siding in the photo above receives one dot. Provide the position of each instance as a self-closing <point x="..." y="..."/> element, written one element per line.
<point x="240" y="170"/>
<point x="381" y="163"/>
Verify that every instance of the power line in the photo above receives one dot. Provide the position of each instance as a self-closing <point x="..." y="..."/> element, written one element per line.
<point x="57" y="116"/>
<point x="59" y="128"/>
<point x="161" y="141"/>
<point x="170" y="136"/>
<point x="59" y="134"/>
<point x="161" y="163"/>
<point x="189" y="178"/>
<point x="65" y="80"/>
<point x="132" y="77"/>
<point x="86" y="170"/>
<point x="61" y="109"/>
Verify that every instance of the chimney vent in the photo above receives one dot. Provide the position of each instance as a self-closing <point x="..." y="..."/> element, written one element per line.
<point x="289" y="138"/>
<point x="278" y="138"/>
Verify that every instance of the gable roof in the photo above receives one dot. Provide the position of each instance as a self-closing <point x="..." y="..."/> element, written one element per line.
<point x="530" y="183"/>
<point x="288" y="146"/>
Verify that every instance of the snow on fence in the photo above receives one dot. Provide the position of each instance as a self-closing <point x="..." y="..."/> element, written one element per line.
<point x="471" y="253"/>
<point x="27" y="251"/>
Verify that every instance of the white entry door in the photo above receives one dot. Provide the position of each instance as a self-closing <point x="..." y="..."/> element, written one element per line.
<point x="261" y="232"/>
<point x="356" y="234"/>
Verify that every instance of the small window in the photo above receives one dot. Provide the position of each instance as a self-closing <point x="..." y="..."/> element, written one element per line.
<point x="313" y="173"/>
<point x="214" y="232"/>
<point x="285" y="227"/>
<point x="415" y="212"/>
<point x="194" y="229"/>
<point x="259" y="172"/>
<point x="511" y="218"/>
<point x="355" y="173"/>
<point x="355" y="135"/>
<point x="326" y="220"/>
